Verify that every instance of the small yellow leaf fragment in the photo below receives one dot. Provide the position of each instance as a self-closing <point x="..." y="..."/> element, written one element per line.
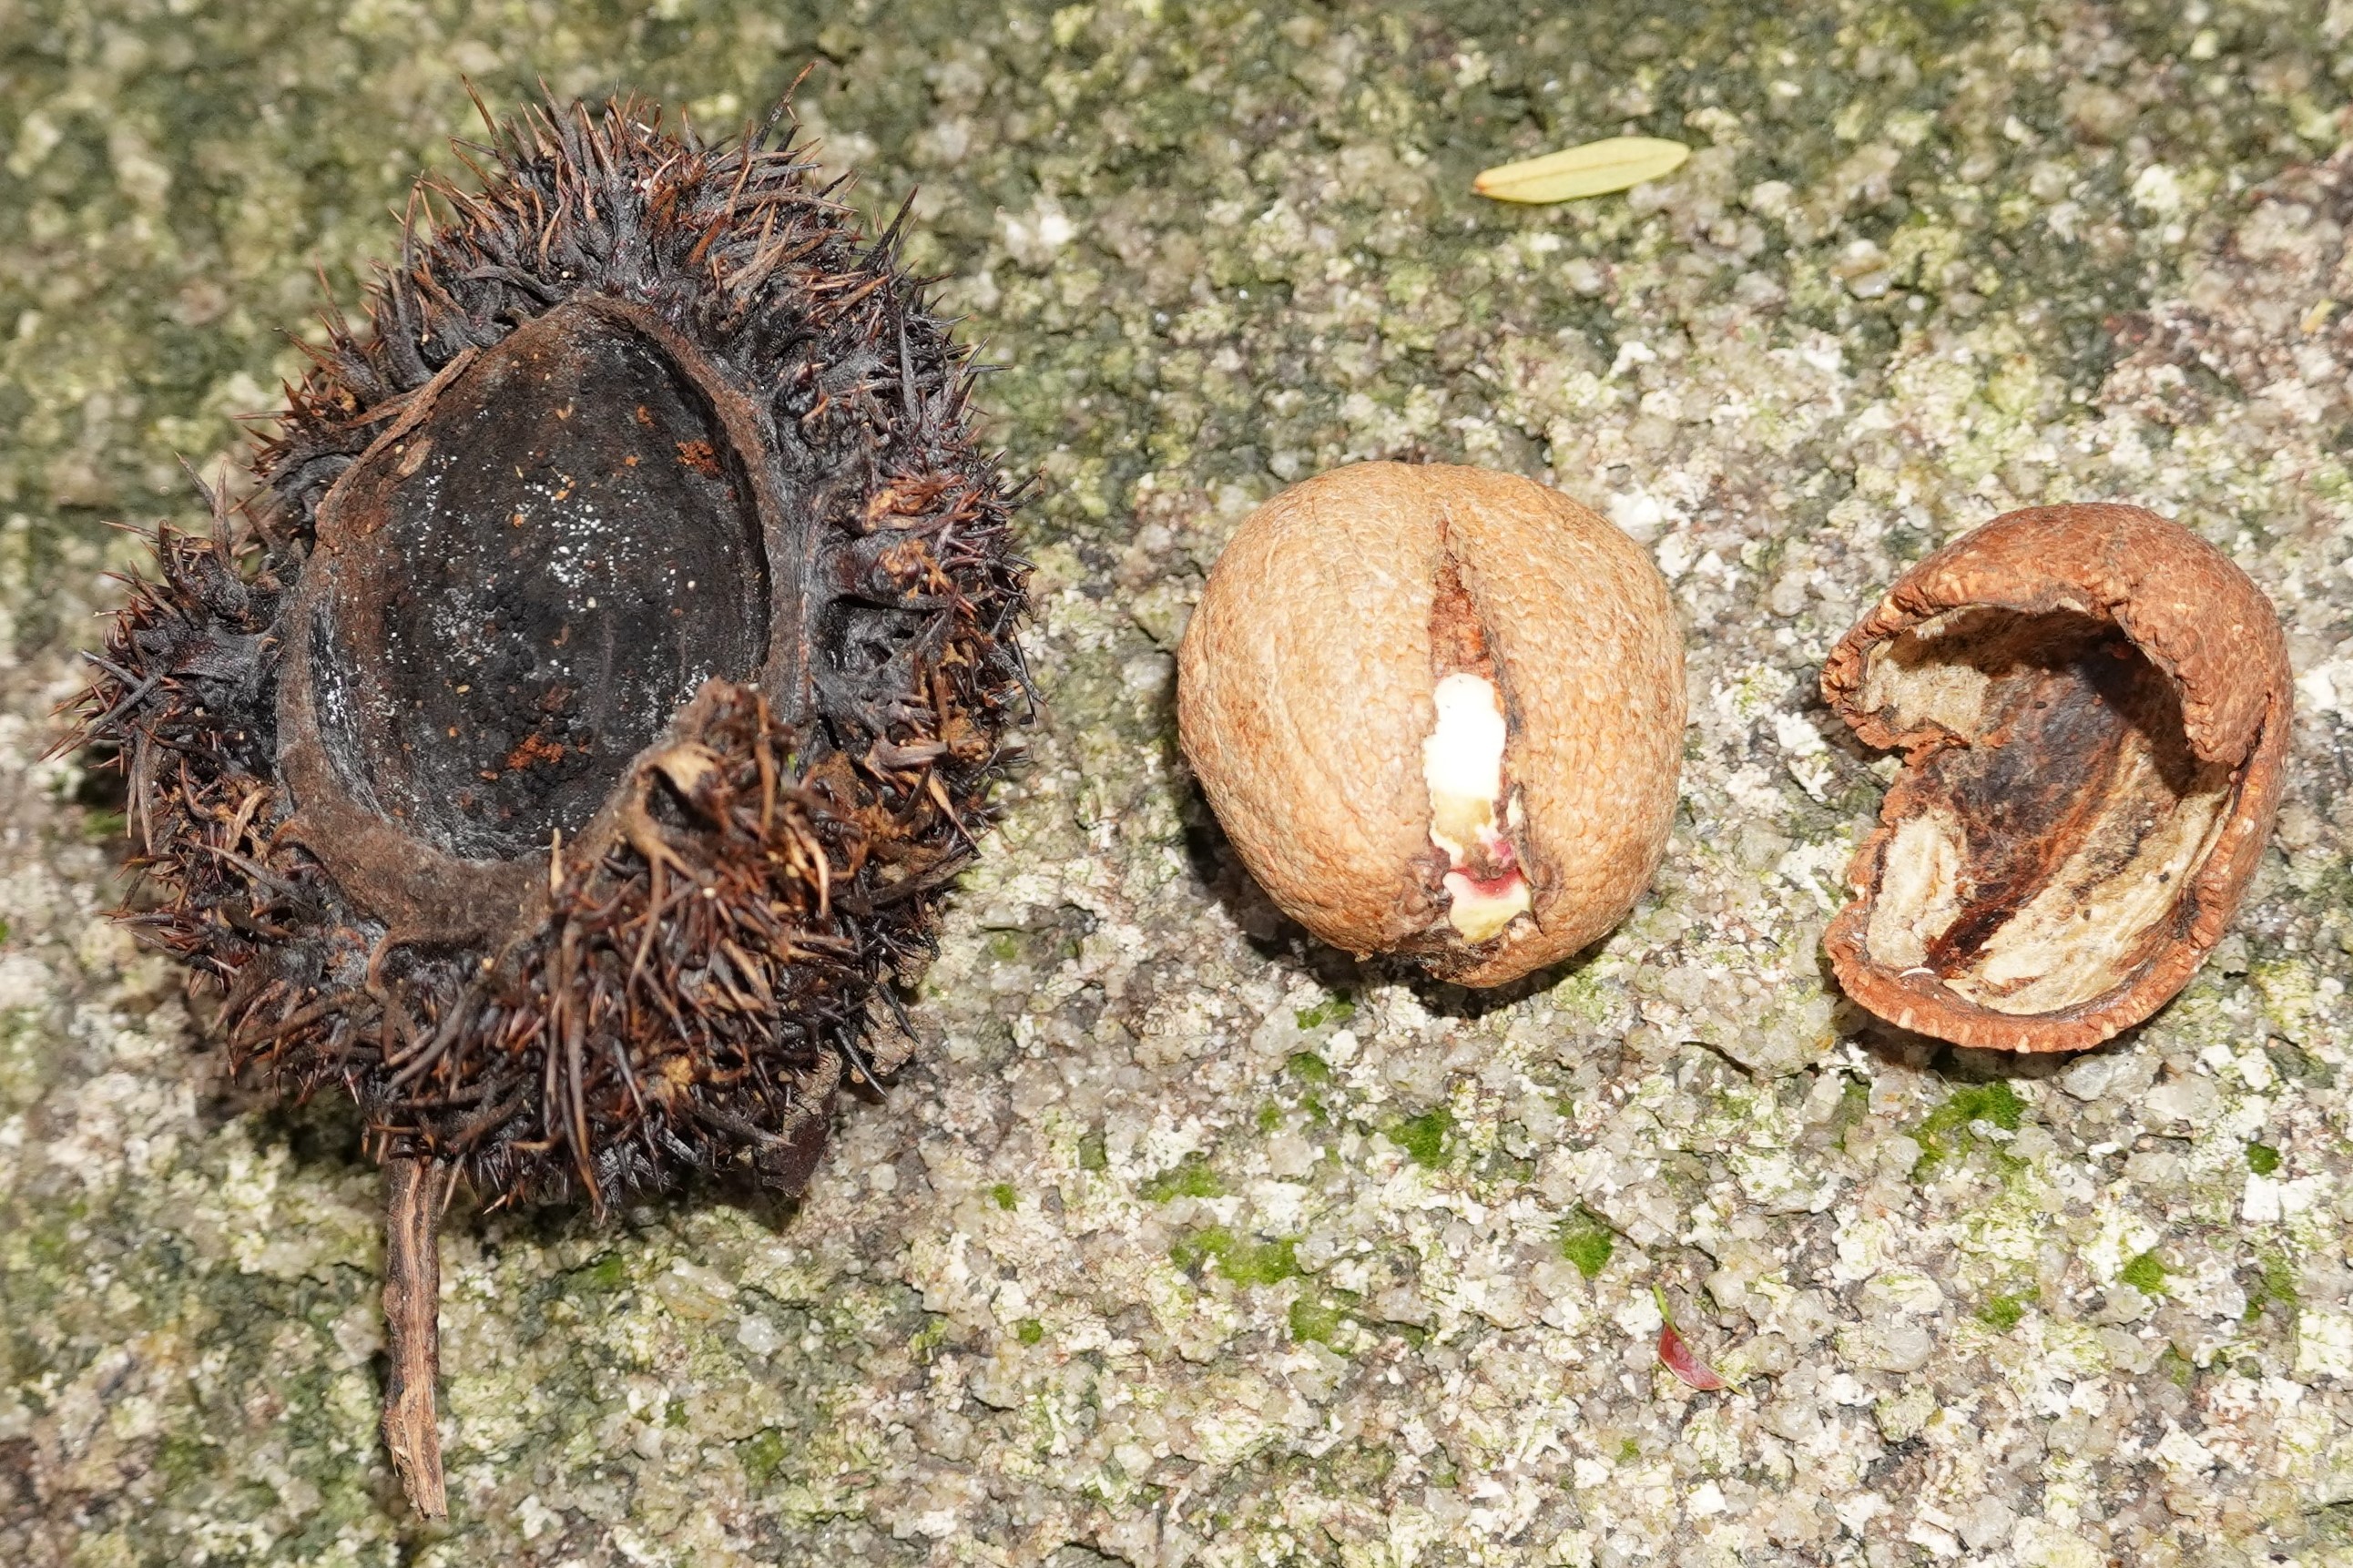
<point x="1595" y="168"/>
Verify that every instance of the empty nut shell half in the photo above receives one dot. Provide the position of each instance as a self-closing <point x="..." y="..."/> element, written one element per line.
<point x="2093" y="705"/>
<point x="1439" y="712"/>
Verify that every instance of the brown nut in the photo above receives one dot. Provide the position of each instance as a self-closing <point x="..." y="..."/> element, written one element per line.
<point x="1439" y="712"/>
<point x="2093" y="705"/>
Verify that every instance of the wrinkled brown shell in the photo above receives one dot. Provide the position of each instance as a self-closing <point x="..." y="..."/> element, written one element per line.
<point x="1303" y="699"/>
<point x="2094" y="706"/>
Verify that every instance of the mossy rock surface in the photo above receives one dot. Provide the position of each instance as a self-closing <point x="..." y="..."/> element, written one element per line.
<point x="1303" y="1263"/>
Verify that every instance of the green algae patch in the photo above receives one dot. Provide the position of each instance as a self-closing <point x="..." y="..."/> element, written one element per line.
<point x="1588" y="1243"/>
<point x="1189" y="1178"/>
<point x="2144" y="1273"/>
<point x="1004" y="1197"/>
<point x="2263" y="1159"/>
<point x="1947" y="1133"/>
<point x="923" y="1345"/>
<point x="1338" y="1008"/>
<point x="1029" y="1330"/>
<point x="1245" y="1260"/>
<point x="1425" y="1138"/>
<point x="1316" y="1317"/>
<point x="1095" y="1153"/>
<point x="602" y="1276"/>
<point x="1308" y="1067"/>
<point x="2273" y="1287"/>
<point x="762" y="1455"/>
<point x="1314" y="1074"/>
<point x="2002" y="1313"/>
<point x="1854" y="1104"/>
<point x="1590" y="1246"/>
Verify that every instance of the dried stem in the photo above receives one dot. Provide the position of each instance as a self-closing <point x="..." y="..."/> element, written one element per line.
<point x="415" y="1191"/>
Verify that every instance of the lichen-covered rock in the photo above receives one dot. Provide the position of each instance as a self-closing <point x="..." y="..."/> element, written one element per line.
<point x="1193" y="1242"/>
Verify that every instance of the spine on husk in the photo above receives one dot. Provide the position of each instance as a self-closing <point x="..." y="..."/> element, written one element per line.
<point x="699" y="969"/>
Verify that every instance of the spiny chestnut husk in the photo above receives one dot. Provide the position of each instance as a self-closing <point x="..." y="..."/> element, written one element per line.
<point x="564" y="749"/>
<point x="2093" y="705"/>
<point x="1440" y="712"/>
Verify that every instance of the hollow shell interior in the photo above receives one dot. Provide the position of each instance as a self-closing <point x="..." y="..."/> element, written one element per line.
<point x="529" y="581"/>
<point x="2040" y="863"/>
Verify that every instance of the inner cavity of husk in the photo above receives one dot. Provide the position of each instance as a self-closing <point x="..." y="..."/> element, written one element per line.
<point x="1474" y="814"/>
<point x="535" y="575"/>
<point x="2041" y="862"/>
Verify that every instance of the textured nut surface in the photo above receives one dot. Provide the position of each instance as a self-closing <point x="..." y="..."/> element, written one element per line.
<point x="1306" y="698"/>
<point x="2094" y="703"/>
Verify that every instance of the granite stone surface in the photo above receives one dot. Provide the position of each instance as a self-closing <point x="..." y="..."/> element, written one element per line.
<point x="1183" y="1240"/>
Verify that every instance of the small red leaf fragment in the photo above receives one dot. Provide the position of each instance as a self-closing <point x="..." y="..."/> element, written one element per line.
<point x="1676" y="1356"/>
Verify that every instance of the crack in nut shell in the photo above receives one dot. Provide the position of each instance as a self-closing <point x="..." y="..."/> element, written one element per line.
<point x="2094" y="704"/>
<point x="1305" y="696"/>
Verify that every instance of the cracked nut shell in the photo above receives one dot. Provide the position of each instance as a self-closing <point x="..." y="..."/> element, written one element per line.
<point x="1440" y="712"/>
<point x="2093" y="705"/>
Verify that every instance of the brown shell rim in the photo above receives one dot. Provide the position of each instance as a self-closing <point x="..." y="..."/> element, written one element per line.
<point x="2164" y="587"/>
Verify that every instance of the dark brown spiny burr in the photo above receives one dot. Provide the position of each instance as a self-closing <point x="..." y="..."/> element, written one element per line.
<point x="564" y="748"/>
